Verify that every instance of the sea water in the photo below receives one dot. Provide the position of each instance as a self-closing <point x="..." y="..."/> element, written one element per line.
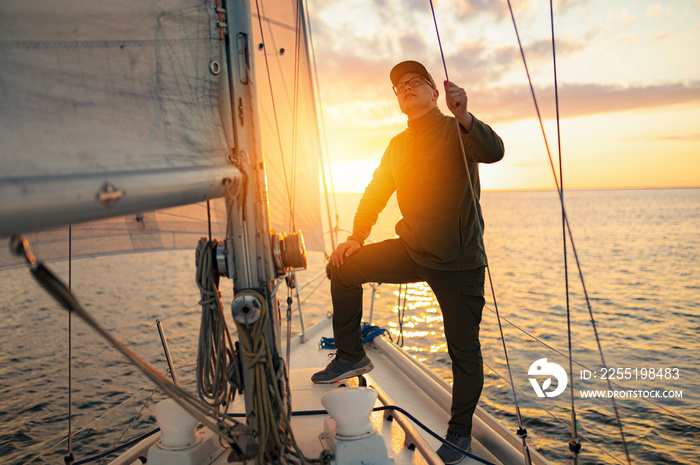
<point x="637" y="251"/>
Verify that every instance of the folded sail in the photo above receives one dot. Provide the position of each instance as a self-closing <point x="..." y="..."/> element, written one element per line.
<point x="291" y="146"/>
<point x="116" y="110"/>
<point x="167" y="229"/>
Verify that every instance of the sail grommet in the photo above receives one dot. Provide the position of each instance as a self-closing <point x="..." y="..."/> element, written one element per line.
<point x="215" y="67"/>
<point x="247" y="307"/>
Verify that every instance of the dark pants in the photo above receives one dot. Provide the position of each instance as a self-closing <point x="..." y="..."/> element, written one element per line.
<point x="461" y="298"/>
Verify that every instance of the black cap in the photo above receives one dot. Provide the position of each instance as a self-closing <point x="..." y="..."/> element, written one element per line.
<point x="410" y="67"/>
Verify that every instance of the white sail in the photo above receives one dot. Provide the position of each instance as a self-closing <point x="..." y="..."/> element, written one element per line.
<point x="118" y="110"/>
<point x="166" y="229"/>
<point x="107" y="109"/>
<point x="288" y="120"/>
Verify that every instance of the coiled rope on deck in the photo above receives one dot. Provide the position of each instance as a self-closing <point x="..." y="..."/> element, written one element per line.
<point x="269" y="384"/>
<point x="217" y="373"/>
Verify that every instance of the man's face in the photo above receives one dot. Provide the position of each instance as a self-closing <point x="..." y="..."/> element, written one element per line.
<point x="415" y="101"/>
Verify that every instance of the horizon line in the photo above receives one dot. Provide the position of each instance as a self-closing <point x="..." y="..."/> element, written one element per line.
<point x="566" y="189"/>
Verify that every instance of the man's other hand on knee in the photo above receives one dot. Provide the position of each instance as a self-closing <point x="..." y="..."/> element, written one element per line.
<point x="343" y="250"/>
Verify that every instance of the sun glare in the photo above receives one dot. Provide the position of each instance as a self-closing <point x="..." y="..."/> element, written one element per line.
<point x="352" y="176"/>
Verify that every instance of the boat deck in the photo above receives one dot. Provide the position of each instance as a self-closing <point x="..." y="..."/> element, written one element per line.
<point x="393" y="380"/>
<point x="399" y="381"/>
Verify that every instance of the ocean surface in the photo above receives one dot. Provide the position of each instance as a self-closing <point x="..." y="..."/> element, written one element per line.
<point x="638" y="251"/>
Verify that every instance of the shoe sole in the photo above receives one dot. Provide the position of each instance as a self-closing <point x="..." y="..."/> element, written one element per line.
<point x="453" y="462"/>
<point x="350" y="374"/>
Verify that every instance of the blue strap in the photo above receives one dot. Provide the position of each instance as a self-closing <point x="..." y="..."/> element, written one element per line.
<point x="369" y="332"/>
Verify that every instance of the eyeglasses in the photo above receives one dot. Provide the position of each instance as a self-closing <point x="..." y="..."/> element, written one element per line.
<point x="413" y="82"/>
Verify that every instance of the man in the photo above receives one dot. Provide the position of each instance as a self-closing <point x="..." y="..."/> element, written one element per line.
<point x="440" y="240"/>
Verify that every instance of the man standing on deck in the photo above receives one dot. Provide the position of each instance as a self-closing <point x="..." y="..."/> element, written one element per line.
<point x="440" y="237"/>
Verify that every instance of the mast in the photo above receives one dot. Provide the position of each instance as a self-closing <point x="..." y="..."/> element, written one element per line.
<point x="254" y="256"/>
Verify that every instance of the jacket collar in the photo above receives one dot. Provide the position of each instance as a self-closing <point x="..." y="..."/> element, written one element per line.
<point x="429" y="120"/>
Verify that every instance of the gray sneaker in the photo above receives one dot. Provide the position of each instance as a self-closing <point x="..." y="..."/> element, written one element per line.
<point x="339" y="368"/>
<point x="448" y="454"/>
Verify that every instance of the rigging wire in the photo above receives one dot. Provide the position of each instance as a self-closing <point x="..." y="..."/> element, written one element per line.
<point x="274" y="110"/>
<point x="68" y="459"/>
<point x="210" y="417"/>
<point x="522" y="432"/>
<point x="549" y="412"/>
<point x="295" y="109"/>
<point x="133" y="420"/>
<point x="84" y="428"/>
<point x="334" y="230"/>
<point x="574" y="445"/>
<point x="209" y="218"/>
<point x="568" y="228"/>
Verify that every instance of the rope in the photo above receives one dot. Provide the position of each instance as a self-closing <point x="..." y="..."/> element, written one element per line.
<point x="522" y="432"/>
<point x="136" y="417"/>
<point x="418" y="423"/>
<point x="217" y="375"/>
<point x="369" y="332"/>
<point x="568" y="228"/>
<point x="118" y="448"/>
<point x="272" y="422"/>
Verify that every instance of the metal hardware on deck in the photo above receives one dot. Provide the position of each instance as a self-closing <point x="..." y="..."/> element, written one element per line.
<point x="575" y="446"/>
<point x="166" y="350"/>
<point x="240" y="111"/>
<point x="232" y="157"/>
<point x="109" y="194"/>
<point x="288" y="251"/>
<point x="293" y="250"/>
<point x="247" y="307"/>
<point x="19" y="245"/>
<point x="243" y="57"/>
<point x="215" y="67"/>
<point x="224" y="260"/>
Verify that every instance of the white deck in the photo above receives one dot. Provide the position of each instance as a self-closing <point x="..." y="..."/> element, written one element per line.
<point x="400" y="382"/>
<point x="390" y="377"/>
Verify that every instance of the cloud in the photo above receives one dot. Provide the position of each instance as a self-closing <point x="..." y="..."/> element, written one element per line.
<point x="682" y="138"/>
<point x="654" y="10"/>
<point x="479" y="66"/>
<point x="512" y="103"/>
<point x="465" y="11"/>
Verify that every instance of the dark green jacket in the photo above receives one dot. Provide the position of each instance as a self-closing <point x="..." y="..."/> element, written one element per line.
<point x="424" y="165"/>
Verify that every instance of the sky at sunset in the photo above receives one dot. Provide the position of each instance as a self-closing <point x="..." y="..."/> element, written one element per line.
<point x="628" y="73"/>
